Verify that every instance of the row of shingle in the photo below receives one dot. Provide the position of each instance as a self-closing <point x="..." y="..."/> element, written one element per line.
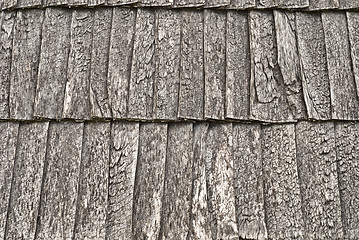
<point x="226" y="4"/>
<point x="122" y="180"/>
<point x="128" y="63"/>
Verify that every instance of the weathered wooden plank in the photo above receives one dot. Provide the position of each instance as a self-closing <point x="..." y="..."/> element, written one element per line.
<point x="9" y="4"/>
<point x="25" y="63"/>
<point x="191" y="99"/>
<point x="242" y="4"/>
<point x="26" y="181"/>
<point x="214" y="63"/>
<point x="293" y="3"/>
<point x="248" y="181"/>
<point x="156" y="3"/>
<point x="281" y="184"/>
<point x="91" y="209"/>
<point x="121" y="2"/>
<point x="217" y="3"/>
<point x="175" y="221"/>
<point x="28" y="3"/>
<point x="313" y="62"/>
<point x="56" y="2"/>
<point x="317" y="167"/>
<point x="92" y="3"/>
<point x="167" y="60"/>
<point x="149" y="183"/>
<point x="59" y="192"/>
<point x="238" y="68"/>
<point x="123" y="162"/>
<point x="6" y="40"/>
<point x="289" y="63"/>
<point x="76" y="101"/>
<point x="8" y="141"/>
<point x="320" y="4"/>
<point x="266" y="3"/>
<point x="220" y="180"/>
<point x="344" y="98"/>
<point x="347" y="150"/>
<point x="77" y="3"/>
<point x="348" y="4"/>
<point x="268" y="100"/>
<point x="99" y="99"/>
<point x="52" y="76"/>
<point x="120" y="58"/>
<point x="189" y="3"/>
<point x="200" y="220"/>
<point x="353" y="25"/>
<point x="140" y="104"/>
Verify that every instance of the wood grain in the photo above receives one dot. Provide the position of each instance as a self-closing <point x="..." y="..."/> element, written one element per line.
<point x="293" y="3"/>
<point x="8" y="142"/>
<point x="242" y="4"/>
<point x="156" y="3"/>
<point x="25" y="63"/>
<point x="348" y="4"/>
<point x="217" y="3"/>
<point x="9" y="4"/>
<point x="320" y="5"/>
<point x="189" y="3"/>
<point x="266" y="3"/>
<point x="121" y="2"/>
<point x="122" y="174"/>
<point x="353" y="25"/>
<point x="59" y="188"/>
<point x="248" y="181"/>
<point x="26" y="181"/>
<point x="55" y="48"/>
<point x="28" y="3"/>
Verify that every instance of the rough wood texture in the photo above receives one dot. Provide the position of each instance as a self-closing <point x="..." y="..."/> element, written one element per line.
<point x="289" y="63"/>
<point x="92" y="3"/>
<point x="167" y="58"/>
<point x="220" y="179"/>
<point x="353" y="25"/>
<point x="248" y="181"/>
<point x="348" y="4"/>
<point x="56" y="2"/>
<point x="317" y="166"/>
<point x="59" y="188"/>
<point x="217" y="3"/>
<point x="143" y="67"/>
<point x="76" y="101"/>
<point x="8" y="141"/>
<point x="25" y="63"/>
<point x="344" y="98"/>
<point x="121" y="2"/>
<point x="9" y="4"/>
<point x="189" y="3"/>
<point x="28" y="3"/>
<point x="77" y="3"/>
<point x="175" y="221"/>
<point x="238" y="68"/>
<point x="26" y="181"/>
<point x="91" y="207"/>
<point x="156" y="3"/>
<point x="55" y="49"/>
<point x="6" y="39"/>
<point x="191" y="99"/>
<point x="120" y="58"/>
<point x="99" y="100"/>
<point x="293" y="3"/>
<point x="242" y="4"/>
<point x="347" y="149"/>
<point x="313" y="62"/>
<point x="281" y="184"/>
<point x="321" y="4"/>
<point x="200" y="220"/>
<point x="266" y="3"/>
<point x="149" y="182"/>
<point x="214" y="63"/>
<point x="123" y="162"/>
<point x="268" y="95"/>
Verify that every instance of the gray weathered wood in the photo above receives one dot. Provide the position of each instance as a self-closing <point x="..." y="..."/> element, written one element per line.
<point x="92" y="3"/>
<point x="266" y="3"/>
<point x="52" y="76"/>
<point x="189" y="3"/>
<point x="119" y="66"/>
<point x="323" y="4"/>
<point x="123" y="162"/>
<point x="59" y="192"/>
<point x="91" y="209"/>
<point x="248" y="181"/>
<point x="9" y="4"/>
<point x="268" y="98"/>
<point x="156" y="3"/>
<point x="238" y="68"/>
<point x="313" y="62"/>
<point x="140" y="104"/>
<point x="77" y="3"/>
<point x="149" y="182"/>
<point x="348" y="4"/>
<point x="288" y="61"/>
<point x="242" y="4"/>
<point x="353" y="25"/>
<point x="8" y="141"/>
<point x="120" y="2"/>
<point x="56" y="2"/>
<point x="281" y="184"/>
<point x="191" y="99"/>
<point x="220" y="180"/>
<point x="214" y="63"/>
<point x="175" y="221"/>
<point x="293" y="3"/>
<point x="200" y="220"/>
<point x="6" y="39"/>
<point x="76" y="101"/>
<point x="99" y="100"/>
<point x="28" y="3"/>
<point x="217" y="3"/>
<point x="26" y="181"/>
<point x="344" y="98"/>
<point x="317" y="167"/>
<point x="347" y="150"/>
<point x="25" y="63"/>
<point x="167" y="58"/>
